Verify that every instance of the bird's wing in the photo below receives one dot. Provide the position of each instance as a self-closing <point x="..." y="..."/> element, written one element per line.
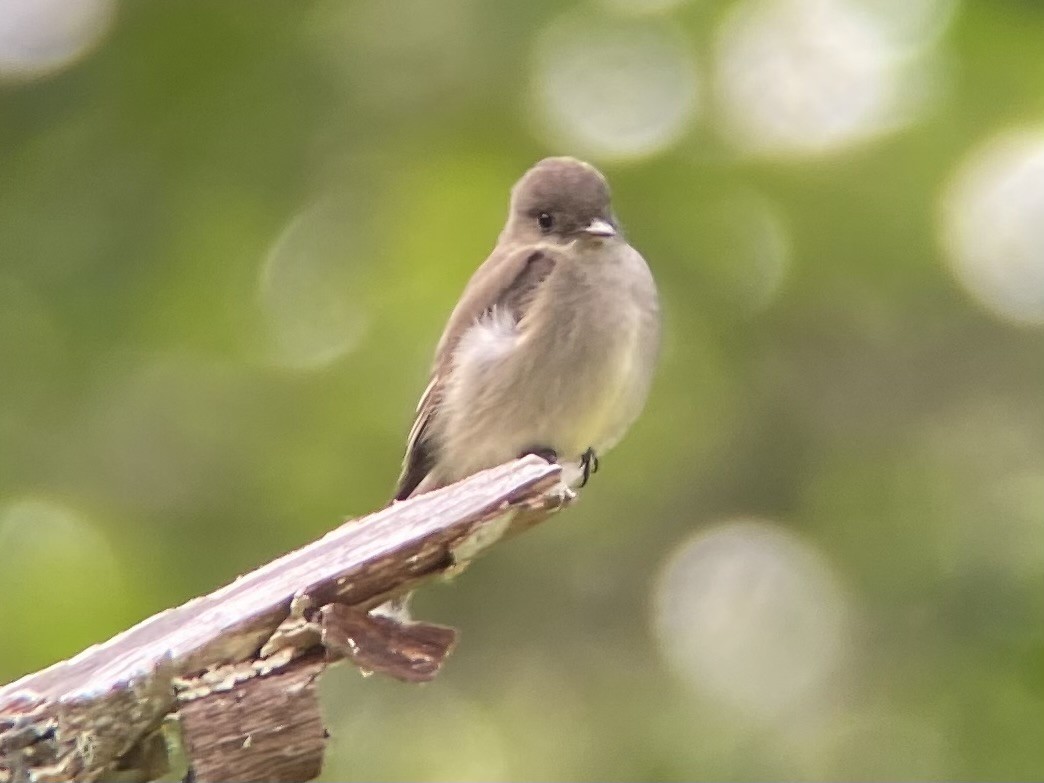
<point x="507" y="281"/>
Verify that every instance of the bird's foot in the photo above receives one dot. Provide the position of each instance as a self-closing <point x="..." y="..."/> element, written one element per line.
<point x="589" y="464"/>
<point x="545" y="453"/>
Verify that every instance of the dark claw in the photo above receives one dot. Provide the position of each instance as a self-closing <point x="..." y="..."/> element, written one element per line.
<point x="546" y="454"/>
<point x="589" y="462"/>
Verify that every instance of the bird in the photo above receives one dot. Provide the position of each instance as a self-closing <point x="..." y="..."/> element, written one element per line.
<point x="552" y="347"/>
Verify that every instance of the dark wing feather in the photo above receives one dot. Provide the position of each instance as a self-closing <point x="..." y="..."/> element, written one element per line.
<point x="509" y="279"/>
<point x="419" y="457"/>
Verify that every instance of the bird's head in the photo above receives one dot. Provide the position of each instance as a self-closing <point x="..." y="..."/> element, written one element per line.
<point x="561" y="200"/>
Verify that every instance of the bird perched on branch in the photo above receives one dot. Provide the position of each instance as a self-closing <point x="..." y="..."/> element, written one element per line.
<point x="552" y="346"/>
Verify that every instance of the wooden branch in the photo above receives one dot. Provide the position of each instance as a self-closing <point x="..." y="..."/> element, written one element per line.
<point x="238" y="666"/>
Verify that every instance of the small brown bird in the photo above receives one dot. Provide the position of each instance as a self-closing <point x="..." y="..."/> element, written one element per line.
<point x="552" y="346"/>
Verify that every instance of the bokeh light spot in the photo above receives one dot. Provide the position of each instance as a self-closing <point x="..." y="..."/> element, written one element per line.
<point x="39" y="37"/>
<point x="612" y="88"/>
<point x="912" y="24"/>
<point x="751" y="615"/>
<point x="993" y="226"/>
<point x="814" y="76"/>
<point x="306" y="290"/>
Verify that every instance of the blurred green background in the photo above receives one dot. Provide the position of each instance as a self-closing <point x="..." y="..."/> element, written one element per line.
<point x="230" y="234"/>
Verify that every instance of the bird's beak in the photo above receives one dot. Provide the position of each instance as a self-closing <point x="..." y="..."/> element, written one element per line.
<point x="600" y="228"/>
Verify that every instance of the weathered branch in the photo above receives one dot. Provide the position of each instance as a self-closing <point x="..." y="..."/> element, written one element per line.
<point x="237" y="667"/>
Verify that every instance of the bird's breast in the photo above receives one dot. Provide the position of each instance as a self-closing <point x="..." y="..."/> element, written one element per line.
<point x="605" y="345"/>
<point x="572" y="374"/>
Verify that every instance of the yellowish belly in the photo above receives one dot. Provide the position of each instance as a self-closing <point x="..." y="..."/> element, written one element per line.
<point x="608" y="406"/>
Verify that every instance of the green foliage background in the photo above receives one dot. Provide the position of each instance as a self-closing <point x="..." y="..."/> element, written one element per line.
<point x="870" y="409"/>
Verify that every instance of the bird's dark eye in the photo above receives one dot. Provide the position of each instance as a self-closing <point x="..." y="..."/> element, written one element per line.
<point x="545" y="220"/>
